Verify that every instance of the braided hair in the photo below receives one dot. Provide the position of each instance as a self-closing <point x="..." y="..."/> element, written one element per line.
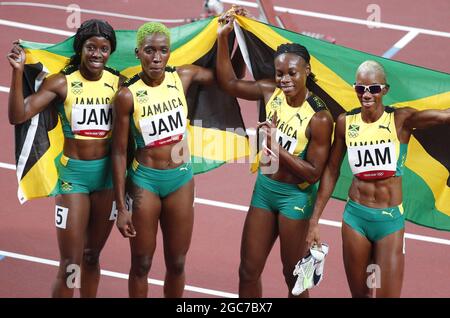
<point x="298" y="50"/>
<point x="88" y="29"/>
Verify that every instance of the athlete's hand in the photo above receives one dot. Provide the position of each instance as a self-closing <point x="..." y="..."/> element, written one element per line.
<point x="124" y="223"/>
<point x="240" y="10"/>
<point x="225" y="24"/>
<point x="313" y="237"/>
<point x="269" y="129"/>
<point x="16" y="57"/>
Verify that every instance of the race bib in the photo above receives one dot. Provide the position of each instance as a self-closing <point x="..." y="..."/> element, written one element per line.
<point x="373" y="161"/>
<point x="91" y="120"/>
<point x="286" y="142"/>
<point x="165" y="128"/>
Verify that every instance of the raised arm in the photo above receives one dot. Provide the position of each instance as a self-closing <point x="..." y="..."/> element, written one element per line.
<point x="226" y="77"/>
<point x="310" y="170"/>
<point x="328" y="180"/>
<point x="20" y="110"/>
<point x="426" y="118"/>
<point x="122" y="108"/>
<point x="190" y="73"/>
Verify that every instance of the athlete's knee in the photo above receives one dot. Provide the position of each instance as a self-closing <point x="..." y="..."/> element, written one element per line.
<point x="91" y="257"/>
<point x="140" y="265"/>
<point x="176" y="265"/>
<point x="248" y="273"/>
<point x="289" y="277"/>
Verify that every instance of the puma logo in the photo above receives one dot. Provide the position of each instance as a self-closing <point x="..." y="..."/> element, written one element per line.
<point x="300" y="118"/>
<point x="387" y="213"/>
<point x="299" y="209"/>
<point x="385" y="127"/>
<point x="172" y="86"/>
<point x="110" y="86"/>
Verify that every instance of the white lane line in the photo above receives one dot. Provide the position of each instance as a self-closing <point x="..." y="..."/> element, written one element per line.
<point x="244" y="208"/>
<point x="33" y="27"/>
<point x="408" y="37"/>
<point x="221" y="204"/>
<point x="7" y="166"/>
<point x="427" y="239"/>
<point x="4" y="89"/>
<point x="344" y="19"/>
<point x="103" y="13"/>
<point x="118" y="275"/>
<point x="238" y="207"/>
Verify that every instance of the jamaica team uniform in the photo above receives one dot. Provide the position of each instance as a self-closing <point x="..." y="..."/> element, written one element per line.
<point x="291" y="200"/>
<point x="86" y="113"/>
<point x="374" y="152"/>
<point x="159" y="118"/>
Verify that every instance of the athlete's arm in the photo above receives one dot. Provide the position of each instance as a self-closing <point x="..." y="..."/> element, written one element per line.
<point x="328" y="180"/>
<point x="190" y="73"/>
<point x="426" y="118"/>
<point x="20" y="110"/>
<point x="122" y="108"/>
<point x="310" y="170"/>
<point x="226" y="76"/>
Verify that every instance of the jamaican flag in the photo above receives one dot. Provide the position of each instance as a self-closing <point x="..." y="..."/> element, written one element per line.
<point x="426" y="182"/>
<point x="216" y="132"/>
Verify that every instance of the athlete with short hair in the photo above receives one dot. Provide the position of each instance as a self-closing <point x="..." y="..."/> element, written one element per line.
<point x="160" y="187"/>
<point x="375" y="137"/>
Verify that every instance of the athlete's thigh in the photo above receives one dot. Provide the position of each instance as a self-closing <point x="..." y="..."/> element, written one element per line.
<point x="177" y="219"/>
<point x="357" y="253"/>
<point x="292" y="240"/>
<point x="146" y="209"/>
<point x="388" y="255"/>
<point x="258" y="236"/>
<point x="101" y="219"/>
<point x="71" y="218"/>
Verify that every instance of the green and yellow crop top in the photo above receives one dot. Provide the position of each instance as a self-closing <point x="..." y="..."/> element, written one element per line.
<point x="160" y="113"/>
<point x="293" y="121"/>
<point x="374" y="151"/>
<point x="86" y="112"/>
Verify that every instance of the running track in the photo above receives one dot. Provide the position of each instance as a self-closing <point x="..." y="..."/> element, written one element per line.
<point x="27" y="233"/>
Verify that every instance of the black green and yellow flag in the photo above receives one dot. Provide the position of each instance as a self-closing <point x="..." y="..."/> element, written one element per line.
<point x="216" y="130"/>
<point x="426" y="183"/>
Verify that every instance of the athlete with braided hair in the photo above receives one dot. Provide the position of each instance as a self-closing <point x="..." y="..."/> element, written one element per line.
<point x="282" y="200"/>
<point x="84" y="200"/>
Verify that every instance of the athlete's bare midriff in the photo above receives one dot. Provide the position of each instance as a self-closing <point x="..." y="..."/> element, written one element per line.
<point x="164" y="157"/>
<point x="381" y="193"/>
<point x="82" y="149"/>
<point x="284" y="175"/>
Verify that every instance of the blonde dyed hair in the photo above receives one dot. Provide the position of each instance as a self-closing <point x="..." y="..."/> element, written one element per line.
<point x="370" y="66"/>
<point x="151" y="28"/>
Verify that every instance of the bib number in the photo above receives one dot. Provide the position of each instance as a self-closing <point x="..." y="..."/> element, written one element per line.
<point x="91" y="120"/>
<point x="373" y="161"/>
<point x="164" y="128"/>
